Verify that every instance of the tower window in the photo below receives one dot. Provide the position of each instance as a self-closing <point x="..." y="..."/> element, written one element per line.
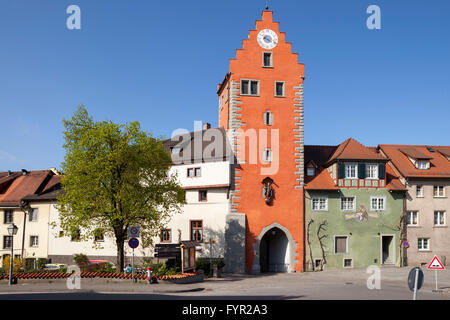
<point x="279" y="89"/>
<point x="267" y="155"/>
<point x="250" y="87"/>
<point x="267" y="59"/>
<point x="268" y="118"/>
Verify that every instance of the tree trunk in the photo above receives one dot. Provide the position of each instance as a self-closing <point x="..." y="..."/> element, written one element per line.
<point x="120" y="254"/>
<point x="322" y="224"/>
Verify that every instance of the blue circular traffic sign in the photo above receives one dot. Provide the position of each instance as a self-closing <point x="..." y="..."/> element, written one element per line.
<point x="415" y="272"/>
<point x="133" y="243"/>
<point x="406" y="244"/>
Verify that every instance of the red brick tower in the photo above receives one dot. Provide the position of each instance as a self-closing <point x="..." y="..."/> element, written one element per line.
<point x="261" y="107"/>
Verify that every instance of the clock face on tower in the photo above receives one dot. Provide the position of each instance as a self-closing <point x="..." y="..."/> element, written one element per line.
<point x="267" y="39"/>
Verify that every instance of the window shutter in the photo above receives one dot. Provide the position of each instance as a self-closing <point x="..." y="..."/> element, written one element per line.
<point x="341" y="170"/>
<point x="381" y="170"/>
<point x="361" y="170"/>
<point x="341" y="245"/>
<point x="270" y="118"/>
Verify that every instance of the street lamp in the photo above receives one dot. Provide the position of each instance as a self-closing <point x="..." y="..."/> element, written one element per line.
<point x="12" y="230"/>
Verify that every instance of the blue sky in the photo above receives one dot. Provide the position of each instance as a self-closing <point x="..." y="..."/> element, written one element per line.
<point x="159" y="62"/>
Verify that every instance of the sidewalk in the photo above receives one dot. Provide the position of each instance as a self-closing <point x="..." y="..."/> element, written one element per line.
<point x="324" y="284"/>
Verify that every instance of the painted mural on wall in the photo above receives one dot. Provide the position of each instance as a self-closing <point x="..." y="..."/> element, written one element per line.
<point x="361" y="215"/>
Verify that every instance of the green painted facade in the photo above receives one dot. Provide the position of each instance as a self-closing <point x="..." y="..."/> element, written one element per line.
<point x="368" y="232"/>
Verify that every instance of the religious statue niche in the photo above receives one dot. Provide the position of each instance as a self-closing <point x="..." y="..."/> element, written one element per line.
<point x="267" y="190"/>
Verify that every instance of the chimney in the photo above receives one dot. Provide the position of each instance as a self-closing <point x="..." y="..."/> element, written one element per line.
<point x="206" y="126"/>
<point x="9" y="173"/>
<point x="24" y="172"/>
<point x="55" y="171"/>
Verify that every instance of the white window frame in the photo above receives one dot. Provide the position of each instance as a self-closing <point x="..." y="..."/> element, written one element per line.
<point x="440" y="213"/>
<point x="34" y="216"/>
<point x="353" y="203"/>
<point x="7" y="212"/>
<point x="32" y="243"/>
<point x="422" y="164"/>
<point x="267" y="157"/>
<point x="408" y="218"/>
<point x="420" y="242"/>
<point x="320" y="200"/>
<point x="283" y="95"/>
<point x="268" y="114"/>
<point x="351" y="261"/>
<point x="4" y="241"/>
<point x="419" y="195"/>
<point x="347" y="165"/>
<point x="250" y="88"/>
<point x="271" y="59"/>
<point x="368" y="171"/>
<point x="346" y="244"/>
<point x="378" y="203"/>
<point x="437" y="188"/>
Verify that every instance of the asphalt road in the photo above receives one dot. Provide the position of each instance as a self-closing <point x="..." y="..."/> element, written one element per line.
<point x="327" y="285"/>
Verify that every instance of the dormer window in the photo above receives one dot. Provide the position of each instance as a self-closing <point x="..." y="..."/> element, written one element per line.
<point x="310" y="172"/>
<point x="371" y="171"/>
<point x="351" y="171"/>
<point x="419" y="159"/>
<point x="423" y="165"/>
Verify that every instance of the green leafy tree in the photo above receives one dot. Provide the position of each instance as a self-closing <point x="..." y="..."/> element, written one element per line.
<point x="115" y="176"/>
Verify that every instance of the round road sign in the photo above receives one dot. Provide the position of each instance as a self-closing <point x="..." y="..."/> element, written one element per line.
<point x="133" y="243"/>
<point x="412" y="278"/>
<point x="406" y="244"/>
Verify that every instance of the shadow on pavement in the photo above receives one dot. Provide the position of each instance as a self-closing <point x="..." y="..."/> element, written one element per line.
<point x="131" y="296"/>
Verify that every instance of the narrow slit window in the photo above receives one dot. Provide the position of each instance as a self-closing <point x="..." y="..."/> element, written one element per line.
<point x="268" y="118"/>
<point x="267" y="155"/>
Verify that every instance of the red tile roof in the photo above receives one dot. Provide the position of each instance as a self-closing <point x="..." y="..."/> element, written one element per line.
<point x="318" y="154"/>
<point x="414" y="153"/>
<point x="31" y="183"/>
<point x="444" y="150"/>
<point x="321" y="181"/>
<point x="351" y="149"/>
<point x="323" y="156"/>
<point x="54" y="181"/>
<point x="392" y="181"/>
<point x="439" y="164"/>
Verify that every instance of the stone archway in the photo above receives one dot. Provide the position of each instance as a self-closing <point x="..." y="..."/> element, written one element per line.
<point x="274" y="249"/>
